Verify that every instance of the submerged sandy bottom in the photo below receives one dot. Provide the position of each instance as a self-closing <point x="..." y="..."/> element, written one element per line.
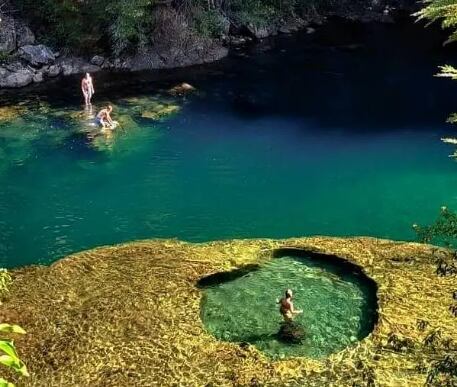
<point x="129" y="315"/>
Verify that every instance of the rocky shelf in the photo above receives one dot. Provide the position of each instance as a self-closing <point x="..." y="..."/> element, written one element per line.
<point x="130" y="315"/>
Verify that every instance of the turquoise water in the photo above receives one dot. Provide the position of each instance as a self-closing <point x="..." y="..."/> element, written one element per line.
<point x="339" y="308"/>
<point x="316" y="134"/>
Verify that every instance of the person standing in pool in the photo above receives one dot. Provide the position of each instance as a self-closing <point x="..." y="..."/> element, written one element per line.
<point x="87" y="87"/>
<point x="104" y="118"/>
<point x="286" y="307"/>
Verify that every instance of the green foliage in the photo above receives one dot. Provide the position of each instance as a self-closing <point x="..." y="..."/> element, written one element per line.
<point x="447" y="71"/>
<point x="63" y="23"/>
<point x="208" y="23"/>
<point x="441" y="10"/>
<point x="87" y="25"/>
<point x="5" y="280"/>
<point x="8" y="353"/>
<point x="130" y="22"/>
<point x="443" y="230"/>
<point x="117" y="26"/>
<point x="257" y="12"/>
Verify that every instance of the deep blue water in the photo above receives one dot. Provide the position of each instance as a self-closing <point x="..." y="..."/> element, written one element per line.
<point x="336" y="133"/>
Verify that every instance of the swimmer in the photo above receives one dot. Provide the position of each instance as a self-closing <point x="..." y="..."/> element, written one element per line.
<point x="287" y="307"/>
<point x="104" y="118"/>
<point x="87" y="88"/>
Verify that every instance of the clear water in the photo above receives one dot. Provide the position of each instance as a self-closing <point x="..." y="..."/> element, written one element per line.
<point x="338" y="307"/>
<point x="335" y="133"/>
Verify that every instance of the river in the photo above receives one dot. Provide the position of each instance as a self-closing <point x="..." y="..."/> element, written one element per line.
<point x="332" y="133"/>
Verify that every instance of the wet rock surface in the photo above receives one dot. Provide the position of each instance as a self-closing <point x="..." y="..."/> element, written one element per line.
<point x="291" y="333"/>
<point x="37" y="55"/>
<point x="83" y="311"/>
<point x="19" y="78"/>
<point x="182" y="49"/>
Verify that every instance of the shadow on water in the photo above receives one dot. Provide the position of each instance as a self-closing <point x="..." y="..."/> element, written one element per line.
<point x="218" y="278"/>
<point x="347" y="75"/>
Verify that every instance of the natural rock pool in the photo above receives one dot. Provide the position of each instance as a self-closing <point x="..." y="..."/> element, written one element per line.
<point x="339" y="306"/>
<point x="310" y="134"/>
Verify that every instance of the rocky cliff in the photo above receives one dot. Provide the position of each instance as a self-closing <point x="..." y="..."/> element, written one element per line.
<point x="23" y="60"/>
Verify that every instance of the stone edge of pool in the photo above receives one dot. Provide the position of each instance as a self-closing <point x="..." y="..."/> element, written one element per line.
<point x="130" y="315"/>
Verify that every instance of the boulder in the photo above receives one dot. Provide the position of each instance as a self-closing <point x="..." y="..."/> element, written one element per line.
<point x="89" y="68"/>
<point x="291" y="332"/>
<point x="291" y="25"/>
<point x="38" y="77"/>
<point x="97" y="60"/>
<point x="14" y="66"/>
<point x="310" y="30"/>
<point x="4" y="72"/>
<point x="24" y="35"/>
<point x="181" y="89"/>
<point x="77" y="66"/>
<point x="54" y="70"/>
<point x="68" y="68"/>
<point x="37" y="55"/>
<point x="17" y="79"/>
<point x="238" y="40"/>
<point x="261" y="32"/>
<point x="7" y="35"/>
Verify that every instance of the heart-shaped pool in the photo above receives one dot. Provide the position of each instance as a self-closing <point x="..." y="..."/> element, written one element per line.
<point x="338" y="301"/>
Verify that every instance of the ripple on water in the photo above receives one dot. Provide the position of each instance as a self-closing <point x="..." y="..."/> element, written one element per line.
<point x="339" y="307"/>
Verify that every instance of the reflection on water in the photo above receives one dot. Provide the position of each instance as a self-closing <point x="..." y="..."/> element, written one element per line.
<point x="338" y="308"/>
<point x="322" y="134"/>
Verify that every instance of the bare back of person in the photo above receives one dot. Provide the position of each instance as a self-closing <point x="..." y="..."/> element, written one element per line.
<point x="286" y="307"/>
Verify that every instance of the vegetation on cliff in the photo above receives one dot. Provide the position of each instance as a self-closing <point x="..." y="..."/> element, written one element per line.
<point x="124" y="26"/>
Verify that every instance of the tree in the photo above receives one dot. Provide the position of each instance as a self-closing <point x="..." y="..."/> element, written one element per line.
<point x="444" y="11"/>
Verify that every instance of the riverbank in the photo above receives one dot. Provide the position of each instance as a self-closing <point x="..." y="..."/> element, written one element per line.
<point x="26" y="60"/>
<point x="130" y="315"/>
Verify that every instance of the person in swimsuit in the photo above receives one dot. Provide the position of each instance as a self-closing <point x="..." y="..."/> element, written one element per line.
<point x="87" y="88"/>
<point x="104" y="118"/>
<point x="286" y="307"/>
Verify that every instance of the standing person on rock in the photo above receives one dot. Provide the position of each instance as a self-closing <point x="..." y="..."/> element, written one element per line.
<point x="87" y="87"/>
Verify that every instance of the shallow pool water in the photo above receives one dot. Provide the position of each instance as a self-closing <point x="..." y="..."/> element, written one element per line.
<point x="302" y="135"/>
<point x="339" y="307"/>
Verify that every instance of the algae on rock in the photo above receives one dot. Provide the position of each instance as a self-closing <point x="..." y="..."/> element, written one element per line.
<point x="83" y="311"/>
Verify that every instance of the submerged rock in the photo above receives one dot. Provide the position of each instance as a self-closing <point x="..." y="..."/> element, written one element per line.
<point x="9" y="113"/>
<point x="291" y="332"/>
<point x="159" y="111"/>
<point x="181" y="89"/>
